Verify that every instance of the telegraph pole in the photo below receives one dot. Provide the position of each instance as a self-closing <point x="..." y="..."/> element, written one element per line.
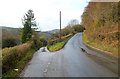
<point x="60" y="25"/>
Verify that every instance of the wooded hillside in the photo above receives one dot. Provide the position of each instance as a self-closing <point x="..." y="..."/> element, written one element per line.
<point x="101" y="22"/>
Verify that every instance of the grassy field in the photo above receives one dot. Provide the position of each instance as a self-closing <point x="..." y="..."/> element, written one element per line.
<point x="103" y="46"/>
<point x="58" y="46"/>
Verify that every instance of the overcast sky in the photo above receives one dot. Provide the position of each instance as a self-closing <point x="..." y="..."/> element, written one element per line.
<point x="46" y="12"/>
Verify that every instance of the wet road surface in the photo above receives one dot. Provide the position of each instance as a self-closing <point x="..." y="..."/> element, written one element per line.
<point x="74" y="60"/>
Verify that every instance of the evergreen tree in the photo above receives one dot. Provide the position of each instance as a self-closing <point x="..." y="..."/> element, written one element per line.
<point x="28" y="22"/>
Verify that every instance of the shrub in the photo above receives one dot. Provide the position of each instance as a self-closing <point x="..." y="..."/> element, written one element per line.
<point x="78" y="28"/>
<point x="117" y="35"/>
<point x="37" y="44"/>
<point x="43" y="40"/>
<point x="8" y="42"/>
<point x="38" y="41"/>
<point x="11" y="56"/>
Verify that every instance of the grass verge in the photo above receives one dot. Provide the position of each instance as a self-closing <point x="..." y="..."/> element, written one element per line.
<point x="58" y="46"/>
<point x="102" y="45"/>
<point x="20" y="65"/>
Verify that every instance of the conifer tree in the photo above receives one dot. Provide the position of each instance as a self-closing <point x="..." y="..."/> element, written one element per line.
<point x="28" y="22"/>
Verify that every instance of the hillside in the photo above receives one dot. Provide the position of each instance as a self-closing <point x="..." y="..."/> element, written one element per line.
<point x="8" y="32"/>
<point x="51" y="31"/>
<point x="101" y="22"/>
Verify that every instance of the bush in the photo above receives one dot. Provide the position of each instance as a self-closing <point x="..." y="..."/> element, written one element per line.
<point x="8" y="42"/>
<point x="38" y="41"/>
<point x="37" y="44"/>
<point x="117" y="35"/>
<point x="11" y="56"/>
<point x="78" y="28"/>
<point x="43" y="40"/>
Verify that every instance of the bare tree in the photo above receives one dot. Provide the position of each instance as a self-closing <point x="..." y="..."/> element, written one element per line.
<point x="73" y="22"/>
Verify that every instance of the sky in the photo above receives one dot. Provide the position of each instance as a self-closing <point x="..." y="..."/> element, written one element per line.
<point x="46" y="12"/>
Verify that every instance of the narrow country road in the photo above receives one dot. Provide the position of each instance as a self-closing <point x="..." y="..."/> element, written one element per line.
<point x="74" y="60"/>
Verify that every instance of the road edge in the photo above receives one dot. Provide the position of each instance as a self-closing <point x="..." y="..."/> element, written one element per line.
<point x="106" y="53"/>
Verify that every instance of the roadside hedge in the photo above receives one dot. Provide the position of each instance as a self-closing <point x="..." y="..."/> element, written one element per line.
<point x="11" y="56"/>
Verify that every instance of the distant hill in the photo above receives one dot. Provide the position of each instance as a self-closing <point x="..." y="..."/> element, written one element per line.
<point x="9" y="28"/>
<point x="47" y="35"/>
<point x="16" y="33"/>
<point x="8" y="32"/>
<point x="51" y="31"/>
